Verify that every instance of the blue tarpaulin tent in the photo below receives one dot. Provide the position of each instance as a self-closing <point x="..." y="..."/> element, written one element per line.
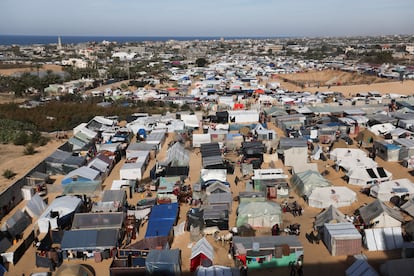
<point x="161" y="220"/>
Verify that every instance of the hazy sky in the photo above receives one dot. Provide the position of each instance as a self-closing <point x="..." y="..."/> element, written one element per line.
<point x="207" y="17"/>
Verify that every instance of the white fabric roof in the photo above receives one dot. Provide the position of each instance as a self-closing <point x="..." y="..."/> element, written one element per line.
<point x="323" y="197"/>
<point x="385" y="190"/>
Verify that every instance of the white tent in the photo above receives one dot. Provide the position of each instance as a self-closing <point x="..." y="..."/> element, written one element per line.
<point x="323" y="197"/>
<point x="339" y="153"/>
<point x="213" y="174"/>
<point x="349" y="162"/>
<point x="304" y="182"/>
<point x="385" y="190"/>
<point x="199" y="139"/>
<point x="190" y="121"/>
<point x="363" y="177"/>
<point x="388" y="238"/>
<point x="59" y="208"/>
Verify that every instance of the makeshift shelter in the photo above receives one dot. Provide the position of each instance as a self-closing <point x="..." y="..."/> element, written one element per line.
<point x="216" y="215"/>
<point x="342" y="238"/>
<point x="202" y="254"/>
<point x="379" y="215"/>
<point x="59" y="213"/>
<point x="267" y="251"/>
<point x="82" y="174"/>
<point x="35" y="206"/>
<point x="259" y="214"/>
<point x="156" y="138"/>
<point x="200" y="139"/>
<point x="209" y="176"/>
<point x="368" y="176"/>
<point x="323" y="197"/>
<point x="399" y="187"/>
<point x="17" y="223"/>
<point x="90" y="240"/>
<point x="386" y="151"/>
<point x="271" y="181"/>
<point x="408" y="206"/>
<point x="361" y="268"/>
<point x="164" y="262"/>
<point x="90" y="188"/>
<point x="112" y="220"/>
<point x="217" y="270"/>
<point x="407" y="148"/>
<point x="161" y="220"/>
<point x="134" y="167"/>
<point x="112" y="201"/>
<point x="177" y="156"/>
<point x="329" y="215"/>
<point x="304" y="182"/>
<point x="211" y="155"/>
<point x="62" y="162"/>
<point x="385" y="238"/>
<point x="341" y="153"/>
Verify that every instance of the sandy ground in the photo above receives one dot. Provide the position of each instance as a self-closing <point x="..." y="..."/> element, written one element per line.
<point x="332" y="80"/>
<point x="317" y="258"/>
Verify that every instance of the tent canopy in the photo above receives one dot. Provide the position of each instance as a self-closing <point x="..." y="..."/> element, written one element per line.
<point x="330" y="215"/>
<point x="304" y="182"/>
<point x="323" y="197"/>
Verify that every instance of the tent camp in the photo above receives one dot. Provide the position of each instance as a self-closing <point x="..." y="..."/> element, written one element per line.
<point x="367" y="176"/>
<point x="323" y="197"/>
<point x="379" y="215"/>
<point x="59" y="213"/>
<point x="399" y="187"/>
<point x="163" y="262"/>
<point x="202" y="254"/>
<point x="329" y="215"/>
<point x="259" y="214"/>
<point x="348" y="163"/>
<point x="342" y="238"/>
<point x="304" y="182"/>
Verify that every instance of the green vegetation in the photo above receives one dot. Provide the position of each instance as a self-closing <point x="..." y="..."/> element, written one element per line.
<point x="22" y="126"/>
<point x="201" y="62"/>
<point x="29" y="149"/>
<point x="9" y="174"/>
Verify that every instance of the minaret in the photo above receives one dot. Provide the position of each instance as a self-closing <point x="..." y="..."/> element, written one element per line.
<point x="59" y="46"/>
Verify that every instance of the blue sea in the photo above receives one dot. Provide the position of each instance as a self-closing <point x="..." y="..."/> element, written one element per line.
<point x="38" y="39"/>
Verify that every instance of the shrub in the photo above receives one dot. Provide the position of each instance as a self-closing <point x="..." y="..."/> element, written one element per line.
<point x="21" y="139"/>
<point x="9" y="174"/>
<point x="29" y="149"/>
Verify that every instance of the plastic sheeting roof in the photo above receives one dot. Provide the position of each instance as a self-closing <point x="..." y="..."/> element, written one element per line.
<point x="202" y="246"/>
<point x="331" y="214"/>
<point x="89" y="239"/>
<point x="305" y="182"/>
